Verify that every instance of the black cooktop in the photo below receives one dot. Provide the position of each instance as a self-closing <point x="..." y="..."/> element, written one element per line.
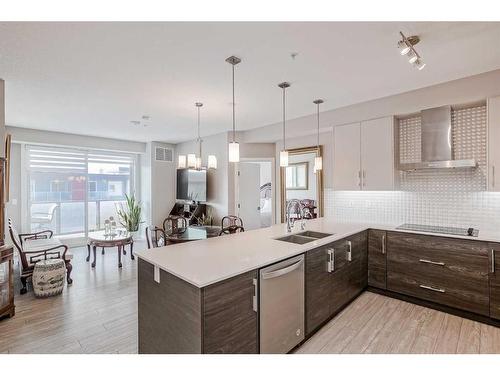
<point x="468" y="232"/>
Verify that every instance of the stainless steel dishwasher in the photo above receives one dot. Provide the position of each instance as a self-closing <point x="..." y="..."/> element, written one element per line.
<point x="281" y="305"/>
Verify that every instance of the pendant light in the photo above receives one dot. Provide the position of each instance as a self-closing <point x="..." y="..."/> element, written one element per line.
<point x="182" y="162"/>
<point x="318" y="160"/>
<point x="284" y="152"/>
<point x="234" y="147"/>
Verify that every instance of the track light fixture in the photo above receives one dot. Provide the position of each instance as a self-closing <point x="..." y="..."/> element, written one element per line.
<point x="406" y="48"/>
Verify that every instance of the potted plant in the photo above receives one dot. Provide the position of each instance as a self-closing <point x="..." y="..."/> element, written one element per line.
<point x="129" y="214"/>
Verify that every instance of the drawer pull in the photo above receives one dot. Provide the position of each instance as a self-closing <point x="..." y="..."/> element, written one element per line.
<point x="331" y="261"/>
<point x="431" y="262"/>
<point x="349" y="251"/>
<point x="433" y="289"/>
<point x="492" y="261"/>
<point x="254" y="297"/>
<point x="383" y="244"/>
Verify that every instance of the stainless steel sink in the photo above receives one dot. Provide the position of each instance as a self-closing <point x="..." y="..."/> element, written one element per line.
<point x="310" y="233"/>
<point x="303" y="237"/>
<point x="295" y="238"/>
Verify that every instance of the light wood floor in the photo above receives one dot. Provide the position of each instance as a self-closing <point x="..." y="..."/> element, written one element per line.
<point x="98" y="314"/>
<point x="379" y="324"/>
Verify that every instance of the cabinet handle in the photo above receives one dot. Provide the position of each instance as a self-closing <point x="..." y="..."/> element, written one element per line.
<point x="492" y="261"/>
<point x="383" y="244"/>
<point x="493" y="176"/>
<point x="431" y="262"/>
<point x="349" y="251"/>
<point x="254" y="298"/>
<point x="359" y="177"/>
<point x="364" y="177"/>
<point x="331" y="261"/>
<point x="432" y="288"/>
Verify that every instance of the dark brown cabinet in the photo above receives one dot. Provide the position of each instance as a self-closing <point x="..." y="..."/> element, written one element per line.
<point x="377" y="258"/>
<point x="176" y="317"/>
<point x="447" y="271"/>
<point x="335" y="274"/>
<point x="494" y="267"/>
<point x="230" y="323"/>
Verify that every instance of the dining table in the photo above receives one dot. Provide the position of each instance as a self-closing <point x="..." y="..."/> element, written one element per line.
<point x="194" y="233"/>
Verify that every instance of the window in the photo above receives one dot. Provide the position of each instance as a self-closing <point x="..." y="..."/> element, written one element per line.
<point x="72" y="191"/>
<point x="296" y="176"/>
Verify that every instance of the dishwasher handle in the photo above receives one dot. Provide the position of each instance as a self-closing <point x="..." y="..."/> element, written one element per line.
<point x="282" y="271"/>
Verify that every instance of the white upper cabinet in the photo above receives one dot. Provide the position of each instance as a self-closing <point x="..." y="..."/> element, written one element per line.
<point x="364" y="155"/>
<point x="494" y="144"/>
<point x="347" y="157"/>
<point x="377" y="154"/>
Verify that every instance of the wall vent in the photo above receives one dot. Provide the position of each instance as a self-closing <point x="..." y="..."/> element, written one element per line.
<point x="164" y="154"/>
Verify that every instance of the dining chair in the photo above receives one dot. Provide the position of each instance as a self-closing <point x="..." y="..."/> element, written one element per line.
<point x="231" y="220"/>
<point x="174" y="224"/>
<point x="231" y="230"/>
<point x="155" y="237"/>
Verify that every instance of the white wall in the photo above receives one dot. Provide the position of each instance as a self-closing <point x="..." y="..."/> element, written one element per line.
<point x="162" y="184"/>
<point x="461" y="91"/>
<point x="35" y="136"/>
<point x="13" y="206"/>
<point x="2" y="117"/>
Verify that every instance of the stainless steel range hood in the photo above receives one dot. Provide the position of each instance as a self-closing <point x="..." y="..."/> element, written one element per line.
<point x="437" y="144"/>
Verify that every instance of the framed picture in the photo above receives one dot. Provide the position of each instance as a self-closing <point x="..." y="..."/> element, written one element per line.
<point x="297" y="176"/>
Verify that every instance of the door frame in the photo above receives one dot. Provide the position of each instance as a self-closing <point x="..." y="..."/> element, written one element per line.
<point x="273" y="184"/>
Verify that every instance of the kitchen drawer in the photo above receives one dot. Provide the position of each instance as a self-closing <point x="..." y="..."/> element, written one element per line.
<point x="432" y="255"/>
<point x="453" y="293"/>
<point x="458" y="269"/>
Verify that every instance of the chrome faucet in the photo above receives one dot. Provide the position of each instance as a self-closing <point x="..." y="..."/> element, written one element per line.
<point x="289" y="224"/>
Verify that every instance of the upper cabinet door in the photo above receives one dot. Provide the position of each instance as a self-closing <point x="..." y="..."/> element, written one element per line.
<point x="493" y="144"/>
<point x="347" y="157"/>
<point x="377" y="154"/>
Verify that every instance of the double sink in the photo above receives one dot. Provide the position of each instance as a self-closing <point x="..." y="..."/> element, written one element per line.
<point x="303" y="237"/>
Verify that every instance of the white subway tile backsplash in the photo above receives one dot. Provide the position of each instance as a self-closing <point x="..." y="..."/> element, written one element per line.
<point x="462" y="209"/>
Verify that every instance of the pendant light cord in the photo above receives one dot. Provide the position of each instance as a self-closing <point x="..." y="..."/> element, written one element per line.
<point x="317" y="144"/>
<point x="234" y="131"/>
<point x="284" y="114"/>
<point x="199" y="138"/>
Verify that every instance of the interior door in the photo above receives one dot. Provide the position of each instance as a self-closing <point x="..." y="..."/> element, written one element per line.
<point x="377" y="156"/>
<point x="248" y="200"/>
<point x="346" y="170"/>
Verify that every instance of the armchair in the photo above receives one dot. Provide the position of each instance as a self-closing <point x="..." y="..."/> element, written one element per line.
<point x="37" y="246"/>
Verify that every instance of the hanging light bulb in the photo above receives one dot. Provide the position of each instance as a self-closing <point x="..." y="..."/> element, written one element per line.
<point x="234" y="147"/>
<point x="191" y="161"/>
<point x="412" y="57"/>
<point x="419" y="64"/>
<point x="318" y="160"/>
<point x="284" y="152"/>
<point x="403" y="47"/>
<point x="212" y="162"/>
<point x="182" y="162"/>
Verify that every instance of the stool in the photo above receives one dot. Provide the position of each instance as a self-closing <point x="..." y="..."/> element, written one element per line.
<point x="48" y="277"/>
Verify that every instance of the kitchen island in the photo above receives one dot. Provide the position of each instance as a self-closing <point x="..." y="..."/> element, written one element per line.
<point x="202" y="297"/>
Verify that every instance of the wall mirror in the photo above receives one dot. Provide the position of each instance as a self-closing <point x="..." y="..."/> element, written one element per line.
<point x="299" y="181"/>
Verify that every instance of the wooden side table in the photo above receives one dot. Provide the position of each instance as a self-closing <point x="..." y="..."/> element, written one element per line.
<point x="118" y="240"/>
<point x="7" y="307"/>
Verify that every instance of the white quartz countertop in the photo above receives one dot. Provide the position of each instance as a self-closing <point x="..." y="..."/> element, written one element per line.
<point x="206" y="262"/>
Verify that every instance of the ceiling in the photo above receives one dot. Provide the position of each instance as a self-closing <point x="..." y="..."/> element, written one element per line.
<point x="95" y="78"/>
